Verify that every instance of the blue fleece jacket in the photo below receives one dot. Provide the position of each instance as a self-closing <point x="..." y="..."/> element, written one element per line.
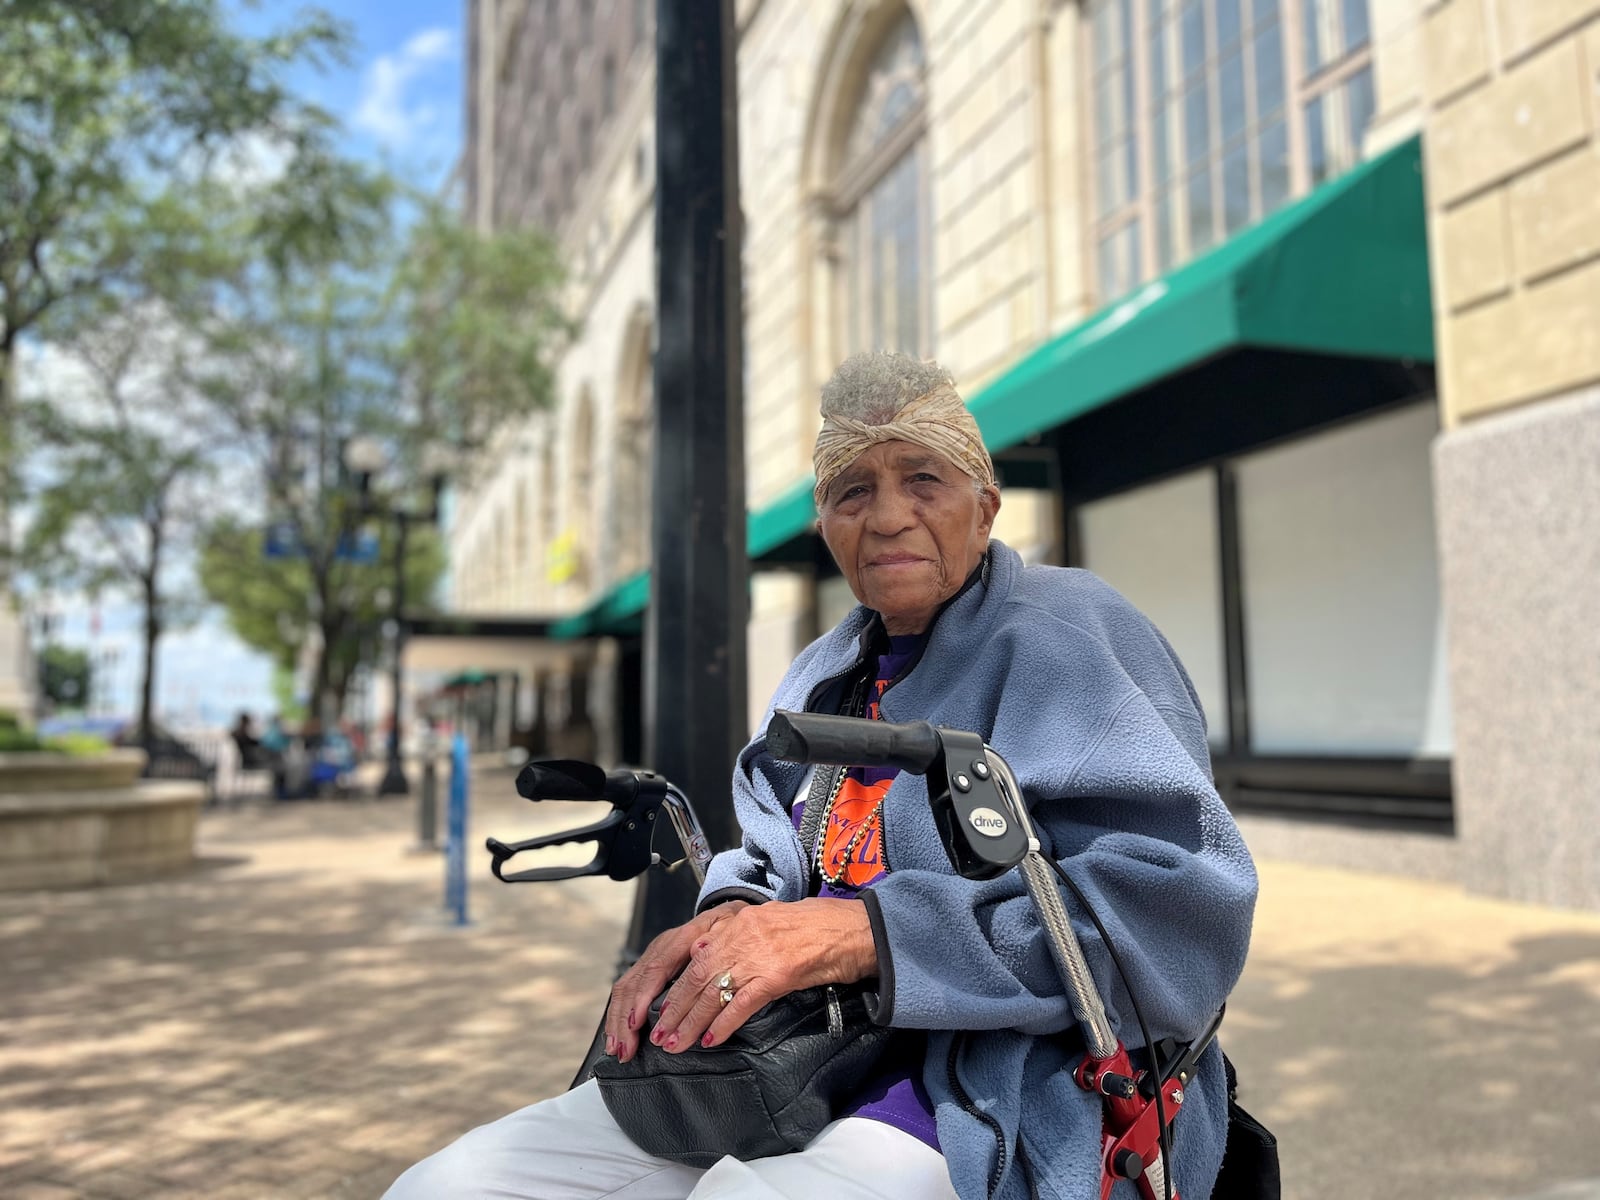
<point x="1090" y="706"/>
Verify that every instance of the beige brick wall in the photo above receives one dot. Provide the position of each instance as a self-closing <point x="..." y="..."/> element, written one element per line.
<point x="780" y="57"/>
<point x="1513" y="149"/>
<point x="1397" y="51"/>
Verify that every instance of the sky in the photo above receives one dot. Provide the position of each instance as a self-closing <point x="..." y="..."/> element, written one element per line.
<point x="399" y="98"/>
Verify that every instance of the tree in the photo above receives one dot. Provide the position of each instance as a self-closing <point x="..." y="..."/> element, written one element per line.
<point x="106" y="107"/>
<point x="480" y="320"/>
<point x="273" y="603"/>
<point x="65" y="676"/>
<point x="407" y="328"/>
<point x="126" y="456"/>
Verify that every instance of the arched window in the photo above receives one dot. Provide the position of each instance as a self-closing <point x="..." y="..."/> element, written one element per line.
<point x="521" y="542"/>
<point x="632" y="470"/>
<point x="580" y="519"/>
<point x="1209" y="114"/>
<point x="548" y="490"/>
<point x="879" y="192"/>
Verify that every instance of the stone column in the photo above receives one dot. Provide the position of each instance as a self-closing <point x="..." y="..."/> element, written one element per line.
<point x="1513" y="168"/>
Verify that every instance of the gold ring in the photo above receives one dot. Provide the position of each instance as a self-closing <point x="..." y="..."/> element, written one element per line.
<point x="725" y="987"/>
<point x="727" y="997"/>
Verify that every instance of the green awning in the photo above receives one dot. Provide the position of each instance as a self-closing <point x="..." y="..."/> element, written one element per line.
<point x="615" y="612"/>
<point x="786" y="518"/>
<point x="618" y="611"/>
<point x="1342" y="272"/>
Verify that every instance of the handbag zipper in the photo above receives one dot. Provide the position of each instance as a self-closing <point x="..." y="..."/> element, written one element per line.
<point x="835" y="1014"/>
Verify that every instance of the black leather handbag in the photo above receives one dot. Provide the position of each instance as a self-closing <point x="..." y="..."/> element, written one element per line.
<point x="1250" y="1160"/>
<point x="769" y="1089"/>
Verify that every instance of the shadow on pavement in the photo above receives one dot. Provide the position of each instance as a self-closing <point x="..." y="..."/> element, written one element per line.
<point x="280" y="1025"/>
<point x="1413" y="1081"/>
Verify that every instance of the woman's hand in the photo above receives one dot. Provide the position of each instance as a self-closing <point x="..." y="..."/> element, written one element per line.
<point x="769" y="950"/>
<point x="632" y="995"/>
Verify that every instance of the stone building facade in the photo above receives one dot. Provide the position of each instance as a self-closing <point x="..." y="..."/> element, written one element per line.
<point x="1513" y="113"/>
<point x="973" y="180"/>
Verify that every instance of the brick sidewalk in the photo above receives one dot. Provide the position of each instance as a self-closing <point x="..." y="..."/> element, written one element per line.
<point x="295" y="1019"/>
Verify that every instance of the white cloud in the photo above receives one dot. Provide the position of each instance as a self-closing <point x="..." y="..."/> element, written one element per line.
<point x="254" y="160"/>
<point x="385" y="109"/>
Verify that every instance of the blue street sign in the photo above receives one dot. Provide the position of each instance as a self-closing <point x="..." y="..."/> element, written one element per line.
<point x="358" y="548"/>
<point x="281" y="541"/>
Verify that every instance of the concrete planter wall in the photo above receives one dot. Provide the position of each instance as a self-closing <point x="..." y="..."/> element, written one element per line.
<point x="74" y="822"/>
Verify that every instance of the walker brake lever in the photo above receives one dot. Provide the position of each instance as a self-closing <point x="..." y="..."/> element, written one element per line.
<point x="622" y="838"/>
<point x="622" y="849"/>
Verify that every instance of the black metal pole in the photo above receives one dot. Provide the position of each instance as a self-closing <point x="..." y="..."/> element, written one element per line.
<point x="1233" y="624"/>
<point x="394" y="776"/>
<point x="695" y="630"/>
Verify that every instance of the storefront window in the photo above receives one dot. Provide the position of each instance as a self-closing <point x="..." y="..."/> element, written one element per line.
<point x="1157" y="545"/>
<point x="1343" y="641"/>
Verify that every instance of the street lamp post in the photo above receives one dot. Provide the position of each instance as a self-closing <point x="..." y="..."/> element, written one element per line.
<point x="394" y="775"/>
<point x="364" y="457"/>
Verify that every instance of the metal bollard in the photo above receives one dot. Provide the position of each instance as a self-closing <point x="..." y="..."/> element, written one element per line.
<point x="428" y="803"/>
<point x="455" y="870"/>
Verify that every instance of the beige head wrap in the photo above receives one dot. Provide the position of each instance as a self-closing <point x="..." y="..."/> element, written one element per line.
<point x="937" y="420"/>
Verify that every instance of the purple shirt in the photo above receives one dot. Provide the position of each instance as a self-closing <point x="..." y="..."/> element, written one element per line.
<point x="894" y="1093"/>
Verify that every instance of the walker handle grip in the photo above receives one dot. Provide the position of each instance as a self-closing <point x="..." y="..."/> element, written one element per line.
<point x="853" y="741"/>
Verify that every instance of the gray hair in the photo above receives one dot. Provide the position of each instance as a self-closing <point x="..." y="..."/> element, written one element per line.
<point x="873" y="386"/>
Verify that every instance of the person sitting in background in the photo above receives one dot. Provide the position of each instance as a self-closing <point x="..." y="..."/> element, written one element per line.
<point x="252" y="756"/>
<point x="275" y="744"/>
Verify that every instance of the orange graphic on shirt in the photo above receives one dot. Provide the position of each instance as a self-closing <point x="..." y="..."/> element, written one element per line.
<point x="856" y="803"/>
<point x="873" y="711"/>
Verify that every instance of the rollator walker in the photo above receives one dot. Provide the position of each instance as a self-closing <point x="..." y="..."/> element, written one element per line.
<point x="986" y="831"/>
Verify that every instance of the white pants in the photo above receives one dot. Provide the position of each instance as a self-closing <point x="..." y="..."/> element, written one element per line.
<point x="569" y="1148"/>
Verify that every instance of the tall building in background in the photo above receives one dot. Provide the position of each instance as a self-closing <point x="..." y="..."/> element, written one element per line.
<point x="1181" y="258"/>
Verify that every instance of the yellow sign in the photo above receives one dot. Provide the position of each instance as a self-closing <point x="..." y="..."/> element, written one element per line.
<point x="563" y="558"/>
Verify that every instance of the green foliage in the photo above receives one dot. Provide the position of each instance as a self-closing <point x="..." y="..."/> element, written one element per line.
<point x="65" y="676"/>
<point x="157" y="174"/>
<point x="79" y="745"/>
<point x="271" y="603"/>
<point x="427" y="338"/>
<point x="19" y="741"/>
<point x="16" y="740"/>
<point x="482" y="325"/>
<point x="107" y="104"/>
<point x="283" y="694"/>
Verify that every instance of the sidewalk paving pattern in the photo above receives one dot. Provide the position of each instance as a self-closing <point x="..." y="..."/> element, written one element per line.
<point x="296" y="1019"/>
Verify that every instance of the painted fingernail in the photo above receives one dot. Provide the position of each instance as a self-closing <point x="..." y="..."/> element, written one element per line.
<point x="633" y="1022"/>
<point x="672" y="1042"/>
<point x="656" y="1035"/>
<point x="706" y="1041"/>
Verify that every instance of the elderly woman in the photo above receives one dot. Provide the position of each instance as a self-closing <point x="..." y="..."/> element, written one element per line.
<point x="1096" y="716"/>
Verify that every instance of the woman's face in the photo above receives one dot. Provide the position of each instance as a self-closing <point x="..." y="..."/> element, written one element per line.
<point x="906" y="527"/>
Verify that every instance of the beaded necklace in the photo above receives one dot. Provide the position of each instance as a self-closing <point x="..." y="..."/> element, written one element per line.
<point x="838" y="880"/>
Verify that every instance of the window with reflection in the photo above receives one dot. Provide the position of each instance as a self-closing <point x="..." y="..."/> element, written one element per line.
<point x="1210" y="114"/>
<point x="880" y="193"/>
